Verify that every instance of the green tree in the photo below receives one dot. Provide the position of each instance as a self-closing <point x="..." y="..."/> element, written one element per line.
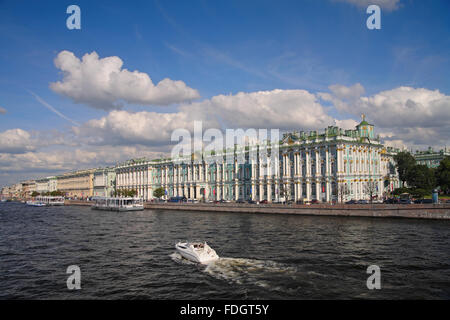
<point x="131" y="193"/>
<point x="419" y="193"/>
<point x="443" y="175"/>
<point x="159" y="192"/>
<point x="405" y="162"/>
<point x="401" y="190"/>
<point x="57" y="193"/>
<point x="421" y="177"/>
<point x="35" y="194"/>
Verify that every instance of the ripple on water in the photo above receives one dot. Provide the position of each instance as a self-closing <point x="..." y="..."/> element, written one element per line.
<point x="131" y="255"/>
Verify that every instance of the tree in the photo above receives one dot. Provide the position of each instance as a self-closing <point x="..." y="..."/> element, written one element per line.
<point x="419" y="193"/>
<point x="405" y="162"/>
<point x="159" y="192"/>
<point x="343" y="191"/>
<point x="125" y="193"/>
<point x="131" y="193"/>
<point x="401" y="190"/>
<point x="443" y="175"/>
<point x="57" y="193"/>
<point x="371" y="189"/>
<point x="35" y="194"/>
<point x="421" y="177"/>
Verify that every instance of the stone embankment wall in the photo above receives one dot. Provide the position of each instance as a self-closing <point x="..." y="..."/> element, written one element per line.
<point x="422" y="211"/>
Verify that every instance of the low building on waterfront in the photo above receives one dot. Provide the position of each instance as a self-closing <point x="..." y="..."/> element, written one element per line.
<point x="46" y="185"/>
<point x="104" y="182"/>
<point x="28" y="187"/>
<point x="7" y="192"/>
<point x="78" y="184"/>
<point x="335" y="165"/>
<point x="430" y="157"/>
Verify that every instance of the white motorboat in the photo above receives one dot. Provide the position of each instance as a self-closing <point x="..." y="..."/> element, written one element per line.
<point x="198" y="252"/>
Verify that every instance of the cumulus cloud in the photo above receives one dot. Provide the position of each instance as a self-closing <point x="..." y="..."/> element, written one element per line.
<point x="416" y="116"/>
<point x="123" y="127"/>
<point x="2" y="110"/>
<point x="102" y="83"/>
<point x="389" y="5"/>
<point x="16" y="141"/>
<point x="281" y="109"/>
<point x="346" y="123"/>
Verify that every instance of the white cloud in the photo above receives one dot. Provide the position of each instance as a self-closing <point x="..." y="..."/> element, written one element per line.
<point x="16" y="141"/>
<point x="346" y="124"/>
<point x="2" y="110"/>
<point x="347" y="93"/>
<point x="123" y="127"/>
<point x="416" y="116"/>
<point x="102" y="83"/>
<point x="281" y="109"/>
<point x="389" y="5"/>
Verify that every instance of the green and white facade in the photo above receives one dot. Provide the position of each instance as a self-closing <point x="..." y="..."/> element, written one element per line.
<point x="430" y="157"/>
<point x="334" y="165"/>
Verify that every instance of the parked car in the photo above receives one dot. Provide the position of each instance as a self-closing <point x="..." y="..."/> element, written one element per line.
<point x="251" y="202"/>
<point x="391" y="201"/>
<point x="263" y="201"/>
<point x="362" y="202"/>
<point x="351" y="202"/>
<point x="427" y="201"/>
<point x="240" y="201"/>
<point x="315" y="201"/>
<point x="405" y="201"/>
<point x="177" y="199"/>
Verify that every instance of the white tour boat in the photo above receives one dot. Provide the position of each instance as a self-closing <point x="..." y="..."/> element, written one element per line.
<point x="51" y="200"/>
<point x="35" y="203"/>
<point x="118" y="204"/>
<point x="197" y="252"/>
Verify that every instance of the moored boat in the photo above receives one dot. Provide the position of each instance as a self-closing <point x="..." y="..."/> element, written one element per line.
<point x="118" y="204"/>
<point x="51" y="200"/>
<point x="35" y="203"/>
<point x="199" y="252"/>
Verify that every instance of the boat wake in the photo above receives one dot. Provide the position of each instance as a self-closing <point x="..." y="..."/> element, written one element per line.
<point x="179" y="259"/>
<point x="263" y="273"/>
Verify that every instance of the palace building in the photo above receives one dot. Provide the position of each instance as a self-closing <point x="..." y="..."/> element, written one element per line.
<point x="430" y="157"/>
<point x="332" y="166"/>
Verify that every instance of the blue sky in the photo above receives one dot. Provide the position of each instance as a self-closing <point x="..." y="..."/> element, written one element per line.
<point x="221" y="48"/>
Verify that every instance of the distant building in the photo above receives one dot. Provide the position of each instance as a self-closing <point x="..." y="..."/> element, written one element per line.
<point x="431" y="158"/>
<point x="104" y="182"/>
<point x="44" y="185"/>
<point x="78" y="184"/>
<point x="28" y="187"/>
<point x="6" y="193"/>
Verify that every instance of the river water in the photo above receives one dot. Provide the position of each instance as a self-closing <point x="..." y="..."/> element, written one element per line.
<point x="131" y="255"/>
